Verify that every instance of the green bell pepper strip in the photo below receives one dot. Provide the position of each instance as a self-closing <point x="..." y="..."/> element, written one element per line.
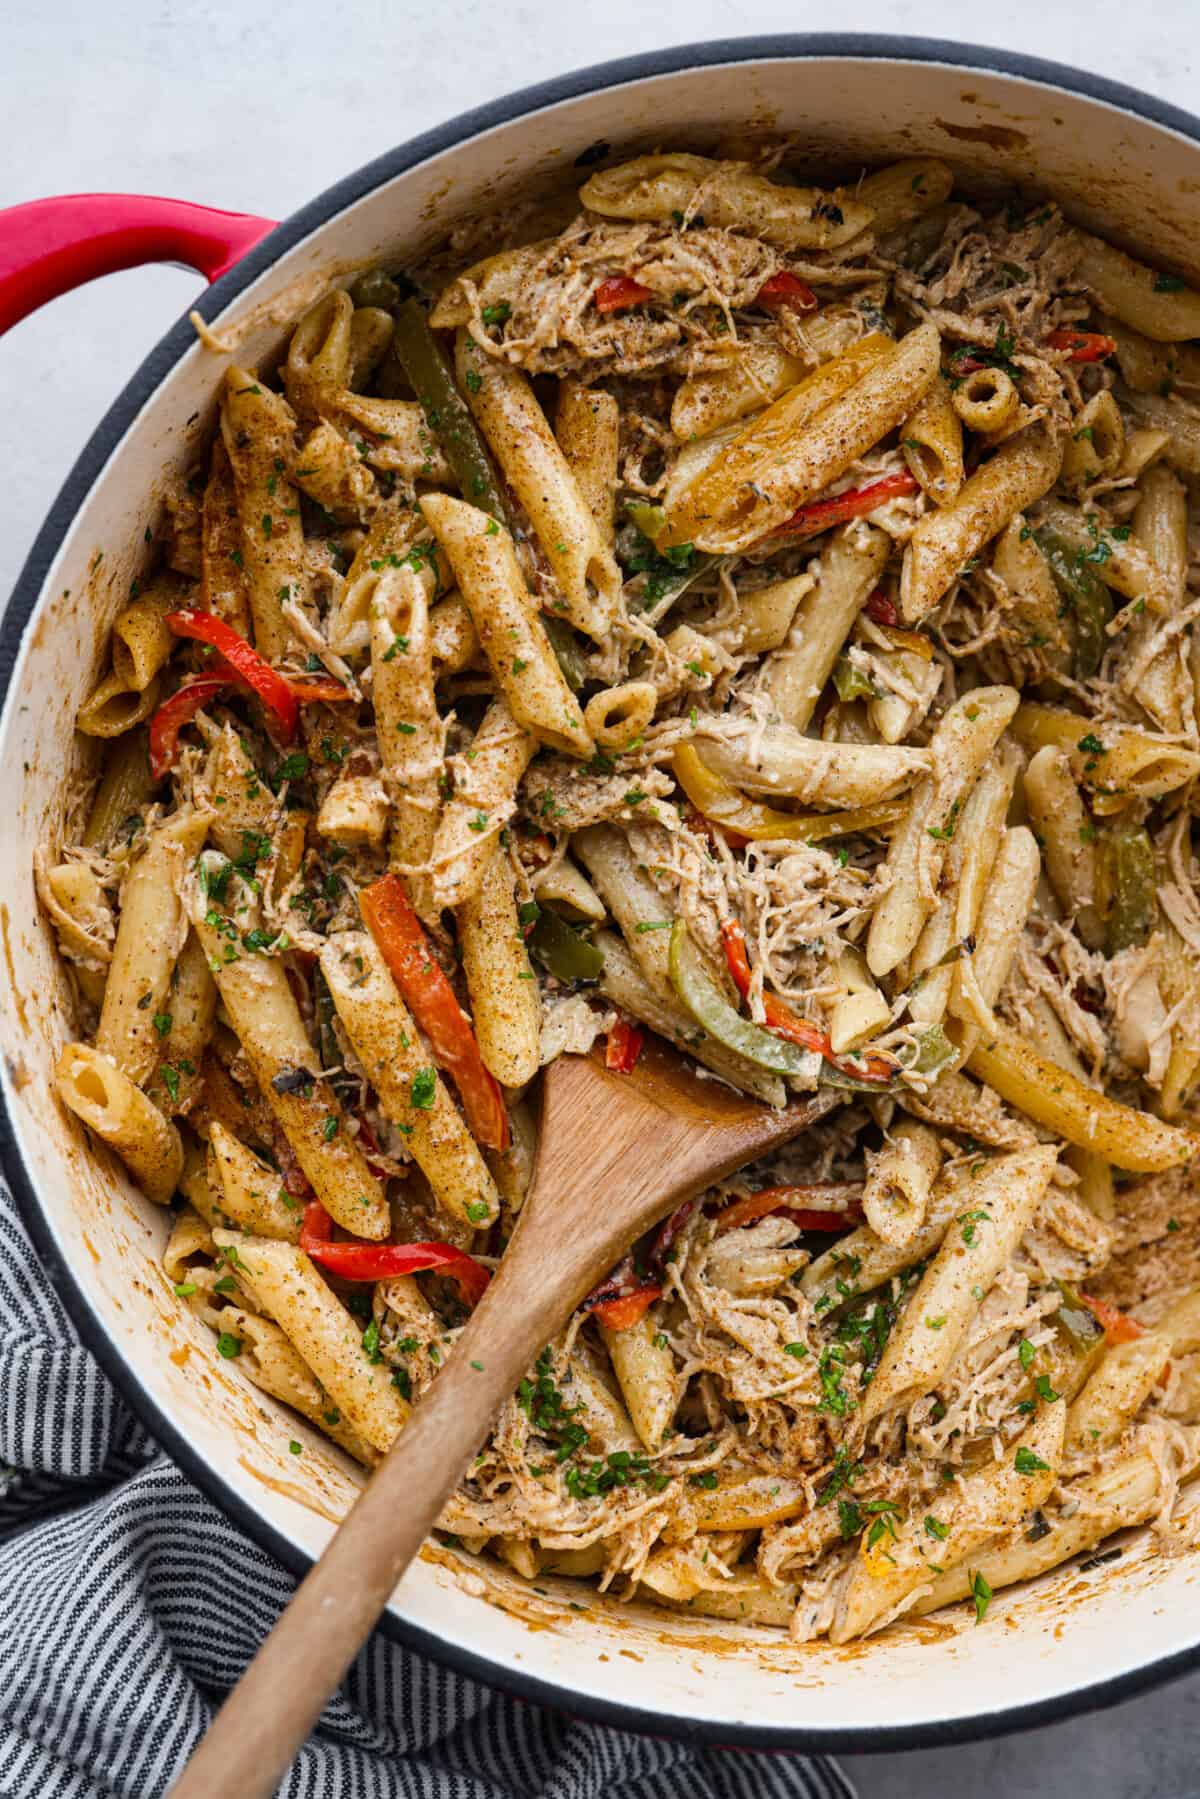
<point x="446" y="412"/>
<point x="709" y="1007"/>
<point x="374" y="288"/>
<point x="1085" y="597"/>
<point x="1129" y="856"/>
<point x="568" y="654"/>
<point x="449" y="418"/>
<point x="564" y="952"/>
<point x="667" y="573"/>
<point x="851" y="683"/>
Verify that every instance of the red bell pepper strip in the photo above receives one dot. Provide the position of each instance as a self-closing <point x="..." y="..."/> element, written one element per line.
<point x="272" y="688"/>
<point x="369" y="1144"/>
<point x="786" y="289"/>
<point x="708" y="827"/>
<point x="783" y="1021"/>
<point x="618" y="1314"/>
<point x="668" y="1230"/>
<point x="308" y="692"/>
<point x="619" y="292"/>
<point x="384" y="1261"/>
<point x="624" y="1046"/>
<point x="402" y="942"/>
<point x="176" y="712"/>
<point x="1118" y="1326"/>
<point x="1085" y="346"/>
<point x="296" y="1183"/>
<point x="317" y="1227"/>
<point x="791" y="1200"/>
<point x="819" y="515"/>
<point x="881" y="609"/>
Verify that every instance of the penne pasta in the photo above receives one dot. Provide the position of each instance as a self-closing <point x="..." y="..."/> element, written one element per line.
<point x="645" y="1368"/>
<point x="779" y="761"/>
<point x="987" y="401"/>
<point x="262" y="1008"/>
<point x="977" y="1508"/>
<point x="400" y="1068"/>
<point x="805" y="441"/>
<point x="150" y="937"/>
<point x="258" y="428"/>
<point x="513" y="638"/>
<point x="851" y="564"/>
<point x="903" y="191"/>
<point x="728" y="193"/>
<point x="120" y="1114"/>
<point x="1067" y="836"/>
<point x="1020" y="472"/>
<point x="587" y="426"/>
<point x="1126" y="1494"/>
<point x="408" y="726"/>
<point x="479" y="808"/>
<point x="1164" y="309"/>
<point x="251" y="1195"/>
<point x="965" y="738"/>
<point x="931" y="437"/>
<point x="996" y="1207"/>
<point x="323" y="1333"/>
<point x="900" y="1181"/>
<point x="540" y="475"/>
<point x="1054" y="1098"/>
<point x="503" y="988"/>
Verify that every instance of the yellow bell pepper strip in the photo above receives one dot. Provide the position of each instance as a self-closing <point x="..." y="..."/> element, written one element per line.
<point x="726" y="805"/>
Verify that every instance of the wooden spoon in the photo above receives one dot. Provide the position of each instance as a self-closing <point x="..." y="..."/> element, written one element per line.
<point x="617" y="1153"/>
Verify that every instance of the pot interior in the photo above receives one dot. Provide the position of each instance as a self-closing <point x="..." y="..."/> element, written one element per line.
<point x="1043" y="1646"/>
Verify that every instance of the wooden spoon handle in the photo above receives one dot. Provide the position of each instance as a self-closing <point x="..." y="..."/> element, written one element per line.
<point x="279" y="1698"/>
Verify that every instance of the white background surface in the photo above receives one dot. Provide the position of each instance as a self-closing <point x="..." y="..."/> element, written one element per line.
<point x="257" y="109"/>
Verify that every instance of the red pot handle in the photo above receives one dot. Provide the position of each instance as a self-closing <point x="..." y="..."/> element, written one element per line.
<point x="50" y="246"/>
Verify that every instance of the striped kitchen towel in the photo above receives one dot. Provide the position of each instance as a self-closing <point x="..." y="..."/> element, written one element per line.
<point x="129" y="1606"/>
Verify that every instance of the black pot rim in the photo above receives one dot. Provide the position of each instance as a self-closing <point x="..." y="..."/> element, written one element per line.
<point x="866" y="46"/>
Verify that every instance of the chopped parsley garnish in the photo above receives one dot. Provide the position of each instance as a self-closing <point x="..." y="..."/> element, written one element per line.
<point x="981" y="1593"/>
<point x="969" y="1220"/>
<point x="423" y="1090"/>
<point x="830" y="1370"/>
<point x="1026" y="1462"/>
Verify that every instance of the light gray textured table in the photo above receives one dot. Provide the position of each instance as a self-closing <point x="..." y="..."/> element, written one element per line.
<point x="256" y="110"/>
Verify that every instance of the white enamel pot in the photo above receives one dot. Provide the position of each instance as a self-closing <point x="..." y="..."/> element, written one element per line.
<point x="1118" y="161"/>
